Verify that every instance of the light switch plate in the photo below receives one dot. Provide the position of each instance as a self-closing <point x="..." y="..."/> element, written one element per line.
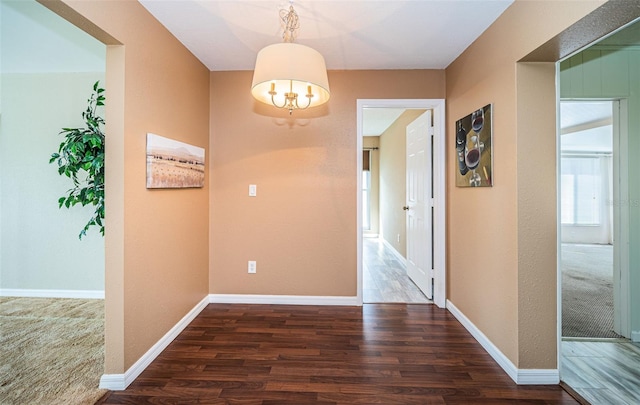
<point x="253" y="190"/>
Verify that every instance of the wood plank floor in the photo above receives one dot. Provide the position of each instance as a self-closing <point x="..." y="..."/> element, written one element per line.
<point x="602" y="372"/>
<point x="384" y="277"/>
<point x="375" y="354"/>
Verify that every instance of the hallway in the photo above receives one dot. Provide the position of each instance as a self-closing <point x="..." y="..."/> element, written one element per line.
<point x="385" y="277"/>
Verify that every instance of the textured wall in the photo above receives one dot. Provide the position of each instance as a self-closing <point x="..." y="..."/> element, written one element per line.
<point x="499" y="276"/>
<point x="301" y="228"/>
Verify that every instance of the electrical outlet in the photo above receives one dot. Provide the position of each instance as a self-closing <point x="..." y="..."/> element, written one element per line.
<point x="252" y="267"/>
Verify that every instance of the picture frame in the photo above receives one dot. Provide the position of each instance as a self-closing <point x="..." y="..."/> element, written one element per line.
<point x="173" y="164"/>
<point x="474" y="148"/>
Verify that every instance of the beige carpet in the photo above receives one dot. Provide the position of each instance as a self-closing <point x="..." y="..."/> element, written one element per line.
<point x="587" y="291"/>
<point x="51" y="351"/>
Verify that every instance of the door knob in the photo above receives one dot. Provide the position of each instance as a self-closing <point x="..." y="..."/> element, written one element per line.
<point x="406" y="208"/>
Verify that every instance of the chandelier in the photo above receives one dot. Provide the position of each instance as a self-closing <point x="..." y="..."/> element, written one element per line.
<point x="289" y="75"/>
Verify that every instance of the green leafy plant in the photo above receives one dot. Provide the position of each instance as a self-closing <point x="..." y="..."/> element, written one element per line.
<point x="81" y="158"/>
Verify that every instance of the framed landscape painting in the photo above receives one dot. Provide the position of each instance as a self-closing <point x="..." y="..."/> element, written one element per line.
<point x="173" y="164"/>
<point x="474" y="149"/>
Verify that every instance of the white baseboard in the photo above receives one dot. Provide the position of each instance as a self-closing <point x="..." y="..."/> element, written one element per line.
<point x="85" y="294"/>
<point x="282" y="299"/>
<point x="534" y="376"/>
<point x="520" y="376"/>
<point x="113" y="382"/>
<point x="393" y="250"/>
<point x="118" y="382"/>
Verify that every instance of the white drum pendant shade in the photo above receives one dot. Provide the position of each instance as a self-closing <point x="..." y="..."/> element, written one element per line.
<point x="286" y="64"/>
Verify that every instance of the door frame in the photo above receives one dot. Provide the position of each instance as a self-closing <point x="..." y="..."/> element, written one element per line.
<point x="621" y="271"/>
<point x="439" y="187"/>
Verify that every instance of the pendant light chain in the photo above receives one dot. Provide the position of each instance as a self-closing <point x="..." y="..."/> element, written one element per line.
<point x="291" y="23"/>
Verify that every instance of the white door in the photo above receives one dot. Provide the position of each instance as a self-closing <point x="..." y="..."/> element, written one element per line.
<point x="419" y="203"/>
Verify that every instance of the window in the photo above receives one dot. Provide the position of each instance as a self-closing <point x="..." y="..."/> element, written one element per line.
<point x="581" y="193"/>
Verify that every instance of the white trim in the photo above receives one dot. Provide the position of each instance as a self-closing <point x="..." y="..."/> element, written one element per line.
<point x="113" y="382"/>
<point x="282" y="299"/>
<point x="440" y="206"/>
<point x="502" y="360"/>
<point x="359" y="230"/>
<point x="393" y="250"/>
<point x="558" y="227"/>
<point x="534" y="376"/>
<point x="85" y="294"/>
<point x="519" y="376"/>
<point x="439" y="184"/>
<point x="118" y="382"/>
<point x="621" y="269"/>
<point x="596" y="47"/>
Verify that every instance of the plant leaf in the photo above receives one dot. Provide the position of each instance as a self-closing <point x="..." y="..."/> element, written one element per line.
<point x="80" y="157"/>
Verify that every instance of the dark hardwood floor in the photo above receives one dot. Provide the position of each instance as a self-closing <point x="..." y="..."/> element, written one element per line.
<point x="375" y="354"/>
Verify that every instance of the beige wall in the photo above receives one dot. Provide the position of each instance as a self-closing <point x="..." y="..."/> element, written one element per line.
<point x="537" y="223"/>
<point x="156" y="240"/>
<point x="393" y="181"/>
<point x="502" y="256"/>
<point x="301" y="227"/>
<point x="374" y="190"/>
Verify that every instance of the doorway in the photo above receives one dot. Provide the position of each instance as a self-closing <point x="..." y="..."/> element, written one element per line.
<point x="385" y="192"/>
<point x="49" y="77"/>
<point x="598" y="350"/>
<point x="436" y="192"/>
<point x="51" y="282"/>
<point x="589" y="137"/>
<point x="593" y="233"/>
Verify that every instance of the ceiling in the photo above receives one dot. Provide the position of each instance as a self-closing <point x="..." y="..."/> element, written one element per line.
<point x="586" y="126"/>
<point x="376" y="120"/>
<point x="377" y="26"/>
<point x="350" y="34"/>
<point x="578" y="115"/>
